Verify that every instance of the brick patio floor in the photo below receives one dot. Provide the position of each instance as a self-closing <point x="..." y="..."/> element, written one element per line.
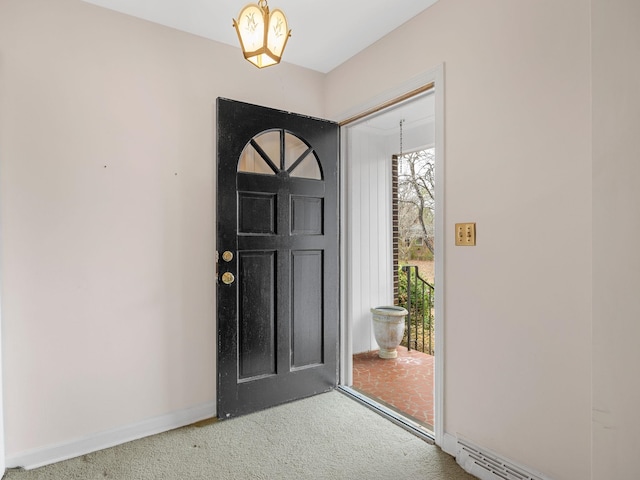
<point x="404" y="384"/>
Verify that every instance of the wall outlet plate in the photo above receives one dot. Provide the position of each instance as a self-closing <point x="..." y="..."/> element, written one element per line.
<point x="466" y="234"/>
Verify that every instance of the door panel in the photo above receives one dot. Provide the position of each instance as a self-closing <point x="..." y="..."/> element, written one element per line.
<point x="256" y="213"/>
<point x="306" y="215"/>
<point x="257" y="314"/>
<point x="307" y="319"/>
<point x="278" y="216"/>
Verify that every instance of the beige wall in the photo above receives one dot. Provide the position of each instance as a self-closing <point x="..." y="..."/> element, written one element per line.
<point x="616" y="223"/>
<point x="107" y="151"/>
<point x="107" y="176"/>
<point x="518" y="162"/>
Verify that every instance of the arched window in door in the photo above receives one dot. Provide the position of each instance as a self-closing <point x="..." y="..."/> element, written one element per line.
<point x="279" y="152"/>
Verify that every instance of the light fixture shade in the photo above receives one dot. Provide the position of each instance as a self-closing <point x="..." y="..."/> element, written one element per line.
<point x="262" y="36"/>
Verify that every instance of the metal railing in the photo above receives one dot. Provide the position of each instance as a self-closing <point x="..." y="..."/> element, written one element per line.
<point x="419" y="296"/>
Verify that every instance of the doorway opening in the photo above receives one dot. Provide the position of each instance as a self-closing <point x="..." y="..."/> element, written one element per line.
<point x="388" y="259"/>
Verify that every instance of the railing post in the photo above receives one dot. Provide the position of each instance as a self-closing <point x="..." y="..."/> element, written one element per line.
<point x="407" y="269"/>
<point x="423" y="315"/>
<point x="430" y="318"/>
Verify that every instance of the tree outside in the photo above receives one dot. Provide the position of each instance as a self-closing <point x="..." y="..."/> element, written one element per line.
<point x="416" y="203"/>
<point x="415" y="242"/>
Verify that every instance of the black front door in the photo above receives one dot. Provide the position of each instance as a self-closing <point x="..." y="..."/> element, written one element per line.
<point x="278" y="257"/>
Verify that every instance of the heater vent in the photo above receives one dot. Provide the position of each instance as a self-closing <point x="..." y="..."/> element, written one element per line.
<point x="487" y="466"/>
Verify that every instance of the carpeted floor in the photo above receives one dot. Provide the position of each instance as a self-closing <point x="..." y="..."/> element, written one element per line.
<point x="328" y="436"/>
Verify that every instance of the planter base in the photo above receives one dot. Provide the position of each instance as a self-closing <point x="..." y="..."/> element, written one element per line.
<point x="388" y="353"/>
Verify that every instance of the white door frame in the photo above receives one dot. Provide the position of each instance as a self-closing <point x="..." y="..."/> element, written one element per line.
<point x="3" y="462"/>
<point x="435" y="77"/>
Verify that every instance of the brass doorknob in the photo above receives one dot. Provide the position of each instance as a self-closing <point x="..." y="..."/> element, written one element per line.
<point x="228" y="278"/>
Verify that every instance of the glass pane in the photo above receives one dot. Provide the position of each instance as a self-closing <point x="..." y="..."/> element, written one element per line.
<point x="308" y="168"/>
<point x="293" y="148"/>
<point x="252" y="162"/>
<point x="278" y="32"/>
<point x="251" y="27"/>
<point x="270" y="143"/>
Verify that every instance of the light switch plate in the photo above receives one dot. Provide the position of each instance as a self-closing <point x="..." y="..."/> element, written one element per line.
<point x="466" y="234"/>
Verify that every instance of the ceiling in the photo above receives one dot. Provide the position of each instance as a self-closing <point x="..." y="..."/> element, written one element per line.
<point x="324" y="34"/>
<point x="414" y="113"/>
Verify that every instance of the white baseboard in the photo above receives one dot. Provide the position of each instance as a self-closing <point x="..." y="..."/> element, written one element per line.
<point x="485" y="464"/>
<point x="450" y="444"/>
<point x="63" y="451"/>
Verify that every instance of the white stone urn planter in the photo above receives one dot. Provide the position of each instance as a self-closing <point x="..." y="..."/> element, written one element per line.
<point x="388" y="329"/>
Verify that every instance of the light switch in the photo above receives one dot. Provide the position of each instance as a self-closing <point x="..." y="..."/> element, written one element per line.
<point x="466" y="234"/>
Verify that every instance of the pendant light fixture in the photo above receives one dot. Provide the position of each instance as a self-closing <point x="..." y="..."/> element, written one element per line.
<point x="262" y="35"/>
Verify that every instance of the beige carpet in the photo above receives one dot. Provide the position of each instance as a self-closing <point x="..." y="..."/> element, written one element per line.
<point x="328" y="436"/>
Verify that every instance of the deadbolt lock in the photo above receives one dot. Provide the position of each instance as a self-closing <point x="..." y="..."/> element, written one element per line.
<point x="227" y="256"/>
<point x="228" y="278"/>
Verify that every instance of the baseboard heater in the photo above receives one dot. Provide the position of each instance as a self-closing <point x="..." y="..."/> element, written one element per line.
<point x="389" y="414"/>
<point x="488" y="466"/>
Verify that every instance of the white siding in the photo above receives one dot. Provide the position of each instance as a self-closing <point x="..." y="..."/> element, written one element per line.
<point x="369" y="232"/>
